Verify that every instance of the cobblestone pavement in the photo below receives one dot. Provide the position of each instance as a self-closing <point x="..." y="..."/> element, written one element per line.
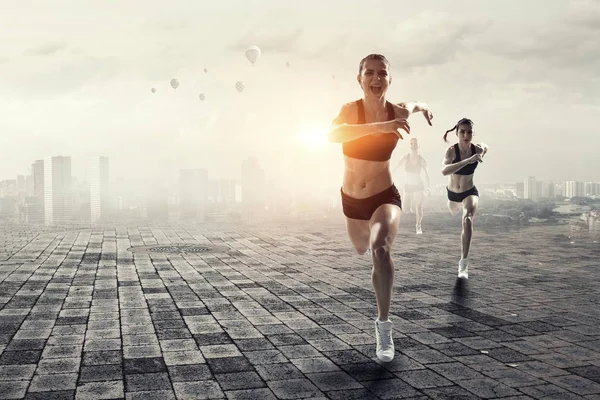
<point x="287" y="312"/>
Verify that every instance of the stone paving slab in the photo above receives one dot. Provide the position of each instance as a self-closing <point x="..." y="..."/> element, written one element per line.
<point x="287" y="312"/>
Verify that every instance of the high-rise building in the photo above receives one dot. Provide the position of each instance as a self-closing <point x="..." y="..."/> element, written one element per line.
<point x="99" y="191"/>
<point x="547" y="190"/>
<point x="559" y="189"/>
<point x="37" y="170"/>
<point x="531" y="189"/>
<point x="591" y="189"/>
<point x="34" y="205"/>
<point x="573" y="189"/>
<point x="57" y="190"/>
<point x="29" y="185"/>
<point x="21" y="185"/>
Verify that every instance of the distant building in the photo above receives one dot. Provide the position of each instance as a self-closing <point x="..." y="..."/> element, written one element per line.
<point x="57" y="190"/>
<point x="591" y="189"/>
<point x="547" y="190"/>
<point x="531" y="189"/>
<point x="573" y="189"/>
<point x="34" y="205"/>
<point x="99" y="188"/>
<point x="21" y="185"/>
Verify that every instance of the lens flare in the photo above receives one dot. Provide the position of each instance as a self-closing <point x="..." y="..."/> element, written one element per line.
<point x="312" y="137"/>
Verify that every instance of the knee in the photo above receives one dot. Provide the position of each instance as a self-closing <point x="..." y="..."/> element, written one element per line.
<point x="467" y="218"/>
<point x="382" y="251"/>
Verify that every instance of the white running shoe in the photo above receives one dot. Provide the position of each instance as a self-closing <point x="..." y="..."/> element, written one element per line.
<point x="419" y="231"/>
<point x="385" y="344"/>
<point x="463" y="268"/>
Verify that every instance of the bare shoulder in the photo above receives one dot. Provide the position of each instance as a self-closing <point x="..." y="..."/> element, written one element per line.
<point x="449" y="154"/>
<point x="348" y="114"/>
<point x="350" y="106"/>
<point x="400" y="110"/>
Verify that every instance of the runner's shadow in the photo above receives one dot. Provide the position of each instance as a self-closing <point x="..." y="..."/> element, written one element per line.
<point x="460" y="293"/>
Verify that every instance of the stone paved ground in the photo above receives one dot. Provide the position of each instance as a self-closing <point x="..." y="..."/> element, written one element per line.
<point x="287" y="313"/>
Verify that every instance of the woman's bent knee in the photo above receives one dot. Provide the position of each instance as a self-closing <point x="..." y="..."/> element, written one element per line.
<point x="382" y="252"/>
<point x="467" y="220"/>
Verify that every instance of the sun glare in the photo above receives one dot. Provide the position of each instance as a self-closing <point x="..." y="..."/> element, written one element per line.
<point x="312" y="137"/>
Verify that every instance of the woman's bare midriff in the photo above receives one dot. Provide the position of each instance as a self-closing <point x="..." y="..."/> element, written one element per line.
<point x="460" y="183"/>
<point x="363" y="178"/>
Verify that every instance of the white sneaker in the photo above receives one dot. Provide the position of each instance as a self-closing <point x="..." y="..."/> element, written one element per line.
<point x="463" y="268"/>
<point x="419" y="231"/>
<point x="385" y="344"/>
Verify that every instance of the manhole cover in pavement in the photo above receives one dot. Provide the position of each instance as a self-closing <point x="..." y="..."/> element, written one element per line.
<point x="177" y="249"/>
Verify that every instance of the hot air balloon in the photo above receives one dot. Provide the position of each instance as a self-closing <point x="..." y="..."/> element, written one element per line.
<point x="287" y="64"/>
<point x="174" y="83"/>
<point x="240" y="86"/>
<point x="153" y="90"/>
<point x="202" y="96"/>
<point x="205" y="70"/>
<point x="253" y="54"/>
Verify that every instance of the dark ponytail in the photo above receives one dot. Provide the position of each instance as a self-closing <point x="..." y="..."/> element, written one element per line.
<point x="449" y="130"/>
<point x="455" y="128"/>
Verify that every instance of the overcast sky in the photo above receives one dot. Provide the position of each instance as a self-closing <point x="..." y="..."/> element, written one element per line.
<point x="75" y="79"/>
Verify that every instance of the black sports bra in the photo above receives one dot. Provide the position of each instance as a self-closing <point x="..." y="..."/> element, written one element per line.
<point x="371" y="147"/>
<point x="468" y="169"/>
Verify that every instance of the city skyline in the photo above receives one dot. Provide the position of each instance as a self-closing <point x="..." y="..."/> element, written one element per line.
<point x="175" y="174"/>
<point x="50" y="195"/>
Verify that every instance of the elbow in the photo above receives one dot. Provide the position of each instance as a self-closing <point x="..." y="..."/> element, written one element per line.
<point x="445" y="172"/>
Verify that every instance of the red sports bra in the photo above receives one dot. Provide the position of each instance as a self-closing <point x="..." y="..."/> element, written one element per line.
<point x="371" y="147"/>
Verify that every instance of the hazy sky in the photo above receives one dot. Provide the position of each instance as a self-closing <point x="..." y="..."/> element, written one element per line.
<point x="75" y="79"/>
